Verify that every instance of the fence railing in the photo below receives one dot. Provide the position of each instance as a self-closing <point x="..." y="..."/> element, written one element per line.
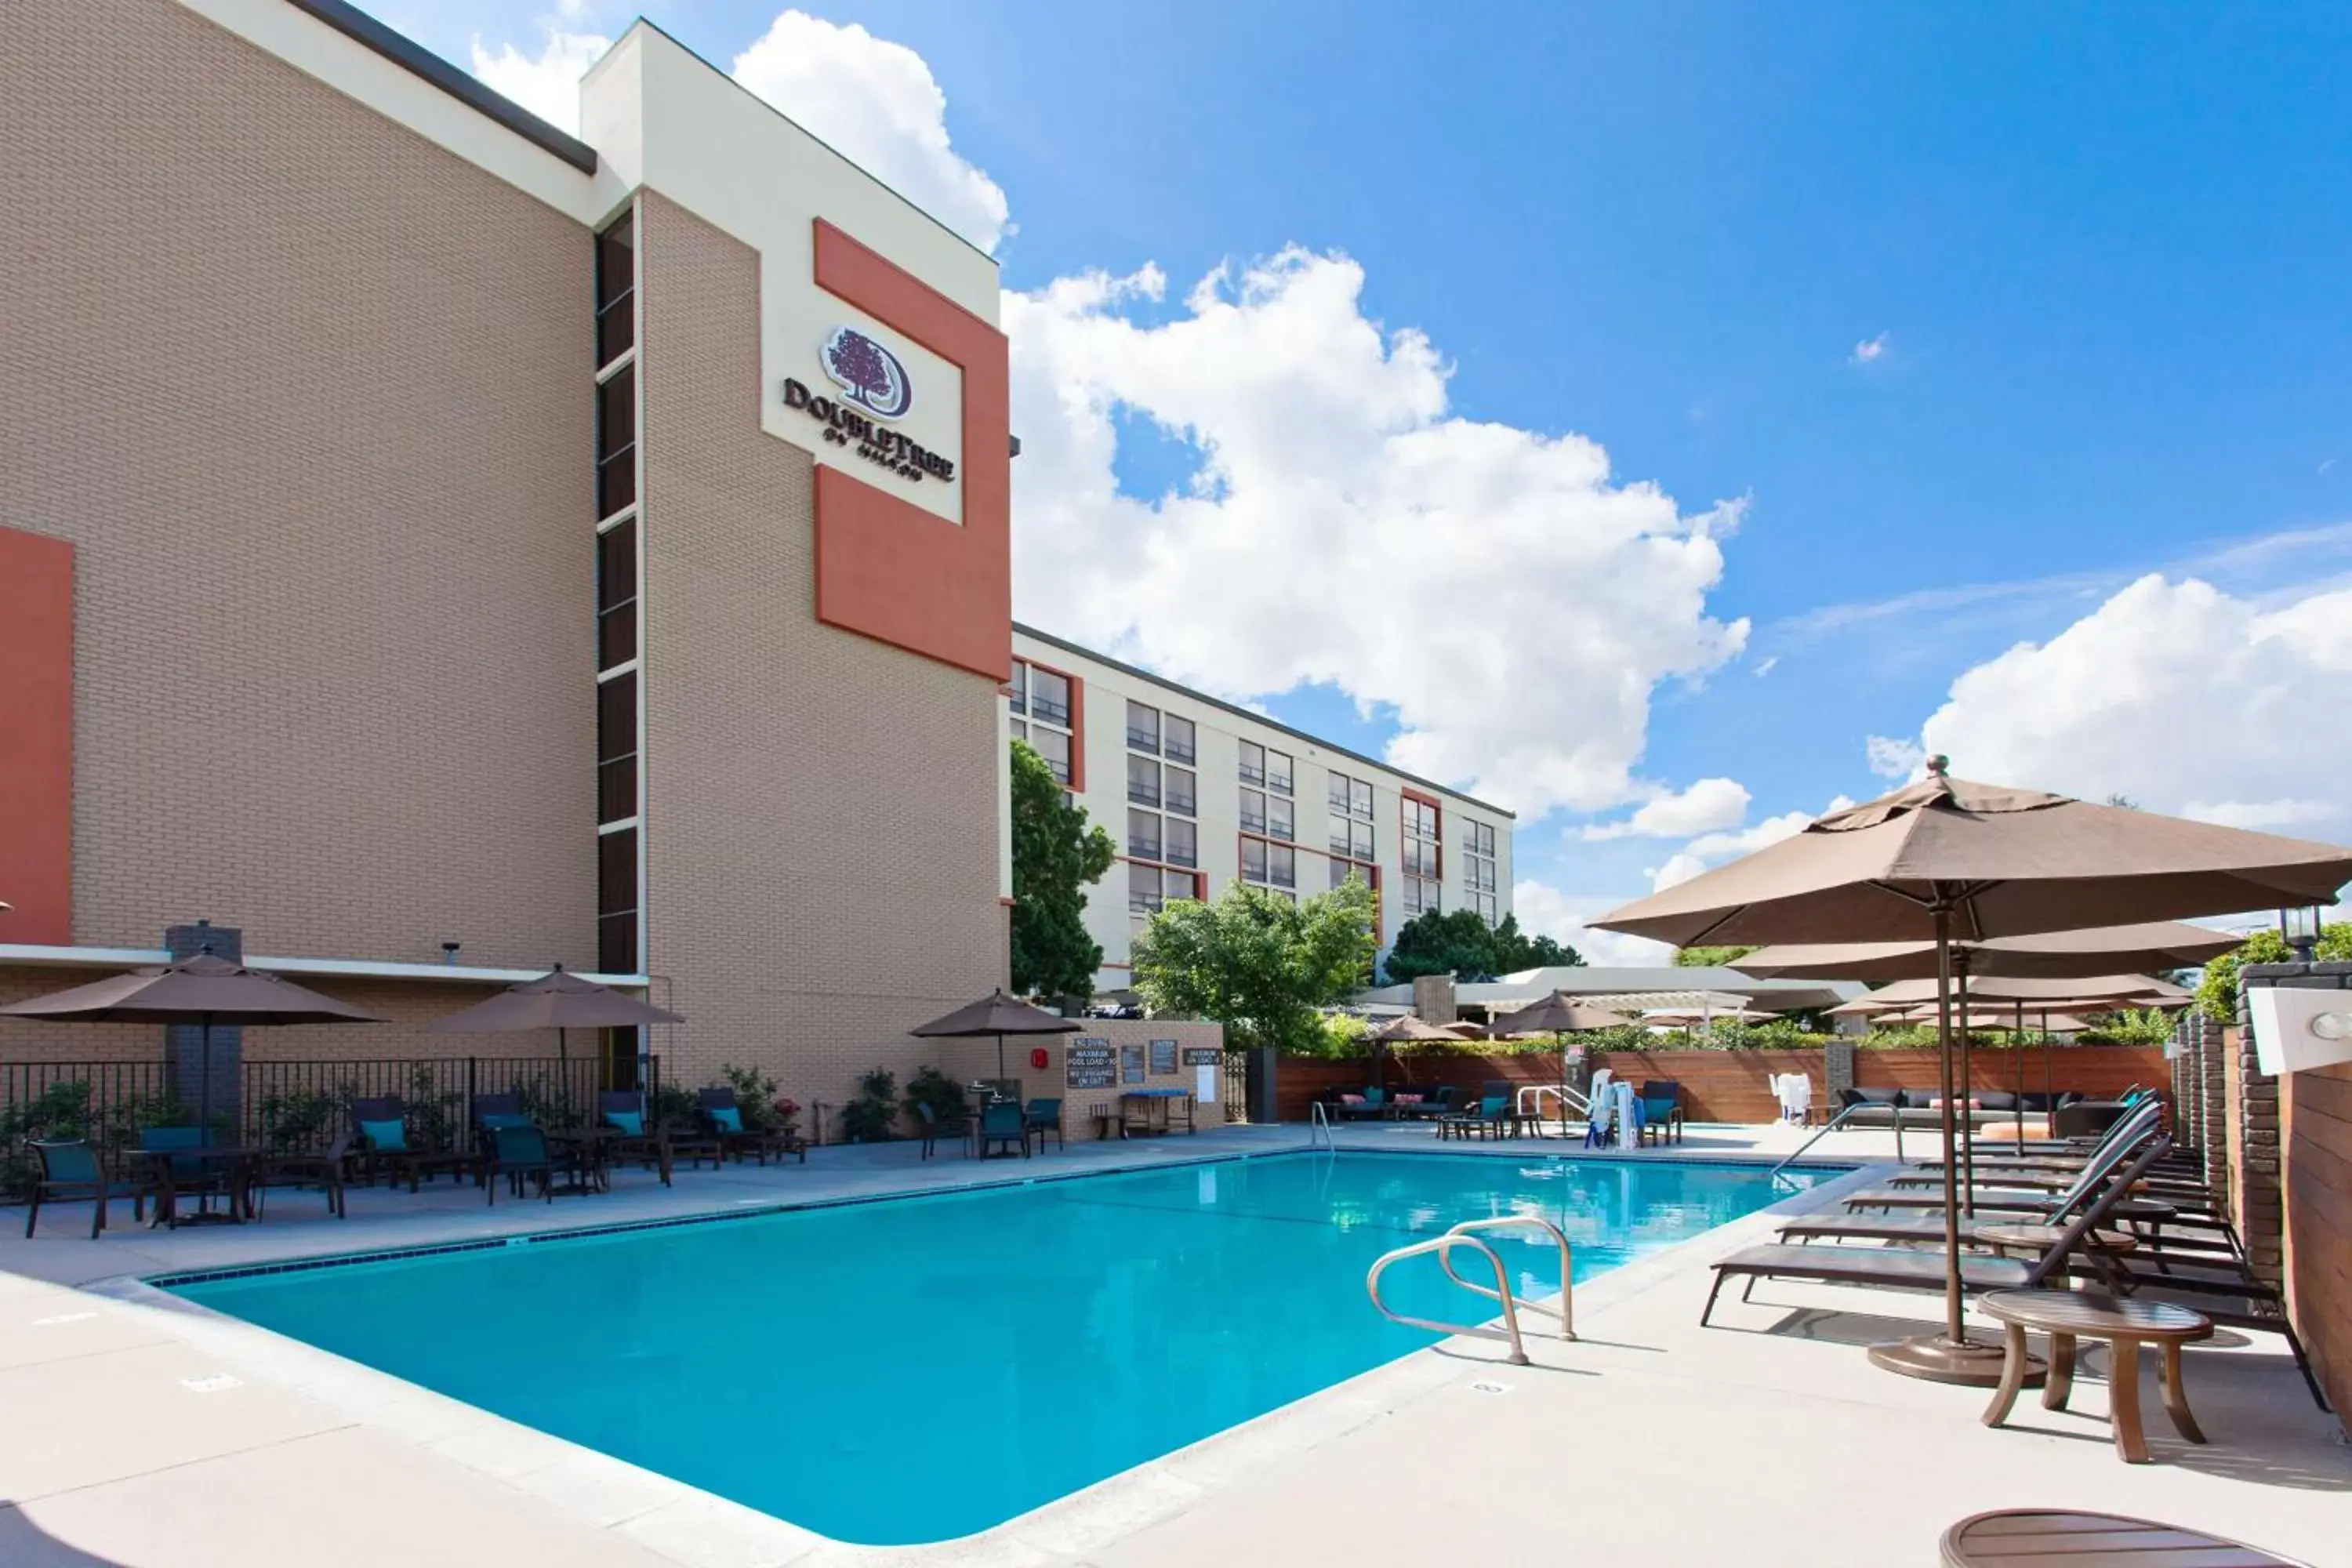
<point x="288" y="1106"/>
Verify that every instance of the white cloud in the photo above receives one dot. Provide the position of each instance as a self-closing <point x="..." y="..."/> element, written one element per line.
<point x="878" y="104"/>
<point x="1870" y="350"/>
<point x="547" y="83"/>
<point x="1544" y="911"/>
<point x="1709" y="848"/>
<point x="2176" y="694"/>
<point x="1764" y="666"/>
<point x="1894" y="759"/>
<point x="1707" y="805"/>
<point x="1555" y="600"/>
<point x="1680" y="867"/>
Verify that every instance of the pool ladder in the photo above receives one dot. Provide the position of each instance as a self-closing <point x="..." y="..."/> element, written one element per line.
<point x="1318" y="1128"/>
<point x="1464" y="1236"/>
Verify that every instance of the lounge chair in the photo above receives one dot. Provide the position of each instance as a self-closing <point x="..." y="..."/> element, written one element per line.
<point x="933" y="1127"/>
<point x="1919" y="1268"/>
<point x="68" y="1169"/>
<point x="1901" y="1194"/>
<point x="1433" y="1105"/>
<point x="1493" y="1117"/>
<point x="522" y="1154"/>
<point x="723" y="1117"/>
<point x="1043" y="1120"/>
<point x="1371" y="1104"/>
<point x="383" y="1144"/>
<point x="323" y="1169"/>
<point x="1002" y="1122"/>
<point x="639" y="1138"/>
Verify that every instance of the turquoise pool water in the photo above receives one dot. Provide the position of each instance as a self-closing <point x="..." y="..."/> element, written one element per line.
<point x="916" y="1369"/>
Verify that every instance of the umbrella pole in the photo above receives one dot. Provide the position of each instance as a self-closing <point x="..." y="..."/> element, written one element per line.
<point x="1968" y="1083"/>
<point x="1948" y="1356"/>
<point x="2049" y="1082"/>
<point x="2017" y="1039"/>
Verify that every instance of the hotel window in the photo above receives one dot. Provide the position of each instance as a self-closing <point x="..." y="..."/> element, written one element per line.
<point x="1016" y="691"/>
<point x="1341" y="871"/>
<point x="1143" y="728"/>
<point x="1254" y="859"/>
<point x="1182" y="843"/>
<point x="1144" y="890"/>
<point x="1277" y="771"/>
<point x="1252" y="811"/>
<point x="616" y="901"/>
<point x="1180" y="784"/>
<point x="1422" y="851"/>
<point x="616" y="291"/>
<point x="616" y="595"/>
<point x="1049" y="697"/>
<point x="1143" y="781"/>
<point x="1041" y="700"/>
<point x="616" y="748"/>
<point x="1253" y="763"/>
<point x="1269" y="865"/>
<point x="1279" y="824"/>
<point x="1478" y="869"/>
<point x="1054" y="745"/>
<point x="1176" y="739"/>
<point x="1143" y="835"/>
<point x="616" y="440"/>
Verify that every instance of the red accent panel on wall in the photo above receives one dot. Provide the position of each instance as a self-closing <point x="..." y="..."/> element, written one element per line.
<point x="37" y="712"/>
<point x="885" y="567"/>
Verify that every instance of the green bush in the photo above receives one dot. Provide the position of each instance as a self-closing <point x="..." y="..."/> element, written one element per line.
<point x="756" y="1099"/>
<point x="933" y="1088"/>
<point x="872" y="1114"/>
<point x="2217" y="994"/>
<point x="299" y="1119"/>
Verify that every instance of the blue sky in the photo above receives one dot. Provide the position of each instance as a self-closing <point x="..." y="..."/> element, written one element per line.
<point x="1976" y="313"/>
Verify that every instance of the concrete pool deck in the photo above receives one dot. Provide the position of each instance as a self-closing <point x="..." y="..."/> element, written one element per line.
<point x="152" y="1434"/>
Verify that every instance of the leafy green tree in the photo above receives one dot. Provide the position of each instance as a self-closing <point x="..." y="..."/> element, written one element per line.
<point x="1708" y="957"/>
<point x="1056" y="856"/>
<point x="1460" y="944"/>
<point x="2217" y="994"/>
<point x="1257" y="963"/>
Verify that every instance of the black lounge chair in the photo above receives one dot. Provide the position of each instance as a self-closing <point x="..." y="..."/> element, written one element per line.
<point x="523" y="1155"/>
<point x="632" y="1134"/>
<point x="2001" y="1199"/>
<point x="1908" y="1267"/>
<point x="723" y="1118"/>
<point x="383" y="1142"/>
<point x="324" y="1169"/>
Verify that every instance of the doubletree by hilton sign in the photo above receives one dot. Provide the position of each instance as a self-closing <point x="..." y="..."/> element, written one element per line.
<point x="872" y="379"/>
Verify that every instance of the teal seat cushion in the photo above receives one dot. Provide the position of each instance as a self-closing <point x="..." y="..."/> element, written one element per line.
<point x="1656" y="1110"/>
<point x="1492" y="1105"/>
<point x="1375" y="1096"/>
<point x="385" y="1137"/>
<point x="505" y="1118"/>
<point x="729" y="1118"/>
<point x="632" y="1122"/>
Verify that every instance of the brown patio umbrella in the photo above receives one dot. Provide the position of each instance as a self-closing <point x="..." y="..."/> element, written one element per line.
<point x="1408" y="1028"/>
<point x="999" y="1014"/>
<point x="2106" y="950"/>
<point x="557" y="1000"/>
<point x="1561" y="1014"/>
<point x="203" y="990"/>
<point x="1945" y="859"/>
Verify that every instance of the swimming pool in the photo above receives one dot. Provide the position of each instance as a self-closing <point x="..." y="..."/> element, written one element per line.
<point x="919" y="1368"/>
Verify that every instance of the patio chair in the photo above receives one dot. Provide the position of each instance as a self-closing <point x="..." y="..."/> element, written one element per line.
<point x="1371" y="1104"/>
<point x="2001" y="1199"/>
<point x="168" y="1179"/>
<point x="381" y="1137"/>
<point x="71" y="1168"/>
<point x="1003" y="1123"/>
<point x="1432" y="1105"/>
<point x="641" y="1139"/>
<point x="523" y="1155"/>
<point x="1492" y="1117"/>
<point x="1899" y="1267"/>
<point x="933" y="1127"/>
<point x="724" y="1119"/>
<point x="1662" y="1110"/>
<point x="323" y="1169"/>
<point x="1043" y="1120"/>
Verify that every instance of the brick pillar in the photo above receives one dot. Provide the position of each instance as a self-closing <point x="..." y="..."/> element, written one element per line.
<point x="1837" y="1072"/>
<point x="1433" y="999"/>
<point x="184" y="1044"/>
<point x="2256" y="1205"/>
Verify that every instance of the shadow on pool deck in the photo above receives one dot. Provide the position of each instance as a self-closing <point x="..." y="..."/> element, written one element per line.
<point x="24" y="1544"/>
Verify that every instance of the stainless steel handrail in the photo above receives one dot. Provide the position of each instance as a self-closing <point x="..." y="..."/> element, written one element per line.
<point x="1835" y="1123"/>
<point x="1568" y="1098"/>
<point x="1461" y="1236"/>
<point x="1316" y="1118"/>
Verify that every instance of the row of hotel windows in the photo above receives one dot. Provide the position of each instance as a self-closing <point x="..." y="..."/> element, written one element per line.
<point x="1041" y="709"/>
<point x="618" y="657"/>
<point x="1163" y="845"/>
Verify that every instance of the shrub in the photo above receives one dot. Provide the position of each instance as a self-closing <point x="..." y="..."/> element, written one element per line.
<point x="2217" y="993"/>
<point x="933" y="1088"/>
<point x="755" y="1099"/>
<point x="872" y="1114"/>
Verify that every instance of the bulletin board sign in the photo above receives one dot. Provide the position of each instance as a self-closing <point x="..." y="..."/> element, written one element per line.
<point x="1087" y="1063"/>
<point x="1203" y="1056"/>
<point x="1163" y="1057"/>
<point x="1130" y="1064"/>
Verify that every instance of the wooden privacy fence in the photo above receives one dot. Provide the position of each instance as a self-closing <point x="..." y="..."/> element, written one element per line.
<point x="1731" y="1086"/>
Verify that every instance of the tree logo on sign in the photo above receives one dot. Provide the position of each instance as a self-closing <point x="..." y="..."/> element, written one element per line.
<point x="869" y="375"/>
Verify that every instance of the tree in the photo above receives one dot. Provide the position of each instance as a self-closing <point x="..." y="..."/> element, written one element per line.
<point x="1256" y="962"/>
<point x="1460" y="944"/>
<point x="1056" y="856"/>
<point x="2217" y="993"/>
<point x="1708" y="957"/>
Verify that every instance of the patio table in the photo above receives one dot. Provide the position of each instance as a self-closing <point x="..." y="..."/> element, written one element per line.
<point x="2091" y="1541"/>
<point x="238" y="1160"/>
<point x="1165" y="1101"/>
<point x="2067" y="1316"/>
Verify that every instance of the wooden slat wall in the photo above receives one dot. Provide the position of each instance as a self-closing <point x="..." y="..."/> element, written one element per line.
<point x="1729" y="1085"/>
<point x="2315" y="1117"/>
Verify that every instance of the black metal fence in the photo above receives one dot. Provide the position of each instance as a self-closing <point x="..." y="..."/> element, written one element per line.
<point x="291" y="1105"/>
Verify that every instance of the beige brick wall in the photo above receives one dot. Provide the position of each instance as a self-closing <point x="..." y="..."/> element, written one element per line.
<point x="820" y="811"/>
<point x="311" y="395"/>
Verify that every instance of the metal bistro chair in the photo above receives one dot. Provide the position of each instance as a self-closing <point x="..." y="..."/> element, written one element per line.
<point x="523" y="1155"/>
<point x="935" y="1127"/>
<point x="71" y="1168"/>
<point x="1043" y="1120"/>
<point x="1003" y="1122"/>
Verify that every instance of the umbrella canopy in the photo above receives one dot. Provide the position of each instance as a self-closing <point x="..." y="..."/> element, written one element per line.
<point x="1399" y="1031"/>
<point x="1945" y="859"/>
<point x="1998" y="862"/>
<point x="1682" y="1015"/>
<point x="999" y="1014"/>
<point x="2087" y="991"/>
<point x="194" y="990"/>
<point x="2155" y="944"/>
<point x="1559" y="1013"/>
<point x="556" y="1000"/>
<point x="1926" y="1013"/>
<point x="205" y="991"/>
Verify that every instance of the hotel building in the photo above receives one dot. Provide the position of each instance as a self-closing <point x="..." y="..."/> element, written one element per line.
<point x="1200" y="794"/>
